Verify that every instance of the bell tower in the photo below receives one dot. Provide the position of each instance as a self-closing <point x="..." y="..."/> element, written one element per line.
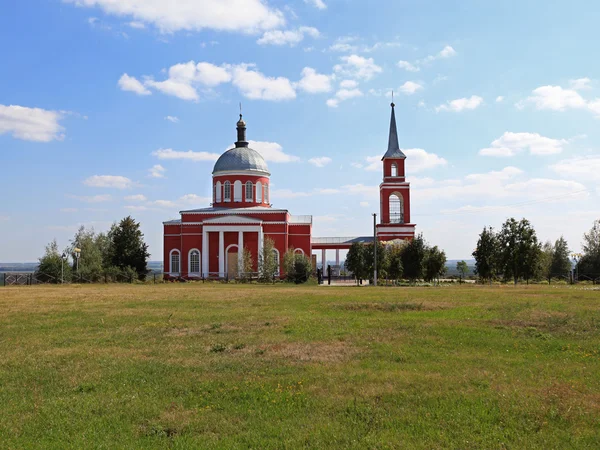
<point x="394" y="191"/>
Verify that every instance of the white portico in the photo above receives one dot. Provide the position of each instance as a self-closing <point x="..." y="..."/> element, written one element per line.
<point x="228" y="224"/>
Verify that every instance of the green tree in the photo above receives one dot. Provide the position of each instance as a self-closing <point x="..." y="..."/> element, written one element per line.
<point x="589" y="264"/>
<point x="128" y="247"/>
<point x="545" y="264"/>
<point x="486" y="255"/>
<point x="52" y="268"/>
<point x="90" y="264"/>
<point x="298" y="267"/>
<point x="560" y="264"/>
<point x="395" y="270"/>
<point x="462" y="268"/>
<point x="247" y="264"/>
<point x="434" y="263"/>
<point x="519" y="250"/>
<point x="355" y="261"/>
<point x="268" y="261"/>
<point x="382" y="260"/>
<point x="413" y="257"/>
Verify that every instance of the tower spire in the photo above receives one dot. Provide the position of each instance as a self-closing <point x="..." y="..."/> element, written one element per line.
<point x="393" y="150"/>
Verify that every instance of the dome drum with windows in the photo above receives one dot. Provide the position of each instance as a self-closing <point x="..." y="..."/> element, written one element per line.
<point x="241" y="175"/>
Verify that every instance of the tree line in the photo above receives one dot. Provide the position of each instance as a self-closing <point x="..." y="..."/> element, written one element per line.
<point x="515" y="254"/>
<point x="411" y="260"/>
<point x="118" y="255"/>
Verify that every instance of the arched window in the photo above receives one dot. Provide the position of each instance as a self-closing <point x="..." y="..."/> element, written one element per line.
<point x="266" y="193"/>
<point x="259" y="192"/>
<point x="276" y="256"/>
<point x="237" y="191"/>
<point x="396" y="208"/>
<point x="299" y="251"/>
<point x="227" y="190"/>
<point x="218" y="194"/>
<point x="394" y="170"/>
<point x="194" y="262"/>
<point x="174" y="258"/>
<point x="249" y="192"/>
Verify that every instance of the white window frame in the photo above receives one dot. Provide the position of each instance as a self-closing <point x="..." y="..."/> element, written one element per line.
<point x="266" y="193"/>
<point x="218" y="192"/>
<point x="298" y="251"/>
<point x="259" y="195"/>
<point x="249" y="192"/>
<point x="237" y="191"/>
<point x="227" y="191"/>
<point x="394" y="170"/>
<point x="171" y="254"/>
<point x="190" y="272"/>
<point x="396" y="218"/>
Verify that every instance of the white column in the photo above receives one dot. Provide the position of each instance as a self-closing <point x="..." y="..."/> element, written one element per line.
<point x="221" y="254"/>
<point x="323" y="259"/>
<point x="240" y="251"/>
<point x="204" y="253"/>
<point x="260" y="246"/>
<point x="337" y="256"/>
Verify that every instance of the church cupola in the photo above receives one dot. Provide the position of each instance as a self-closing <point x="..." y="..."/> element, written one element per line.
<point x="241" y="175"/>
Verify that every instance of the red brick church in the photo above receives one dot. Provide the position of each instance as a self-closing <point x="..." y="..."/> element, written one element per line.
<point x="207" y="242"/>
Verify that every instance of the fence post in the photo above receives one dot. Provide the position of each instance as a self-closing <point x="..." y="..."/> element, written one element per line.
<point x="154" y="278"/>
<point x="4" y="278"/>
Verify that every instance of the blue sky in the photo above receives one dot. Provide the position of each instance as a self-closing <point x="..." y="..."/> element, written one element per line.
<point x="109" y="109"/>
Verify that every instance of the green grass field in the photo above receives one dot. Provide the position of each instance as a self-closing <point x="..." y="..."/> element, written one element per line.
<point x="226" y="366"/>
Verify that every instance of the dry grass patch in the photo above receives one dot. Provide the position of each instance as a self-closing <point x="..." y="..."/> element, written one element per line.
<point x="392" y="307"/>
<point x="322" y="352"/>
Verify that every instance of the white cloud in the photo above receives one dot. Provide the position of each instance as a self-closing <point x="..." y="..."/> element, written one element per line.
<point x="418" y="159"/>
<point x="580" y="84"/>
<point x="410" y="87"/>
<point x="409" y="67"/>
<point x="132" y="84"/>
<point x="320" y="161"/>
<point x="364" y="204"/>
<point x="461" y="104"/>
<point x="509" y="144"/>
<point x="355" y="66"/>
<point x="499" y="99"/>
<point x="447" y="52"/>
<point x="31" y="124"/>
<point x="288" y="193"/>
<point x="169" y="153"/>
<point x="344" y="44"/>
<point x="319" y="4"/>
<point x="579" y="168"/>
<point x="287" y="37"/>
<point x="136" y="198"/>
<point x="137" y="25"/>
<point x="157" y="171"/>
<point x="109" y="181"/>
<point x="314" y="82"/>
<point x="172" y="119"/>
<point x="248" y="16"/>
<point x="348" y="84"/>
<point x="272" y="152"/>
<point x="343" y="94"/>
<point x="93" y="198"/>
<point x="256" y="86"/>
<point x="185" y="78"/>
<point x="556" y="98"/>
